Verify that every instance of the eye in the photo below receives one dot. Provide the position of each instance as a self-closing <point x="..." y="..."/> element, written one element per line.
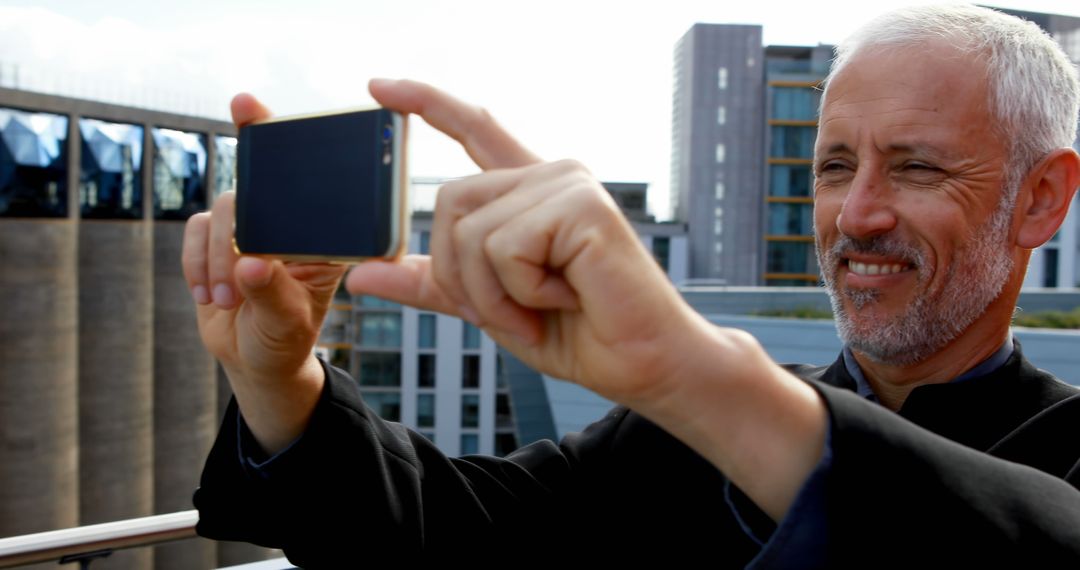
<point x="921" y="166"/>
<point x="832" y="166"/>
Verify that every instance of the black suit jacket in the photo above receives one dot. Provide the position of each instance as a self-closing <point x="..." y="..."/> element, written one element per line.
<point x="983" y="472"/>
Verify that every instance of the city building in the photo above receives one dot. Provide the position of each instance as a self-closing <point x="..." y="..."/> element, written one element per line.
<point x="108" y="401"/>
<point x="744" y="119"/>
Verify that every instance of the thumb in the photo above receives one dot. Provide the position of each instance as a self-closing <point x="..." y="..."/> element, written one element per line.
<point x="254" y="276"/>
<point x="280" y="307"/>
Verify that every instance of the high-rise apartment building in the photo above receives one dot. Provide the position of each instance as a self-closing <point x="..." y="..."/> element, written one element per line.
<point x="744" y="120"/>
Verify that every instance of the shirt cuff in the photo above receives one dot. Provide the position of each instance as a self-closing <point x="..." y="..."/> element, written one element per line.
<point x="250" y="453"/>
<point x="800" y="539"/>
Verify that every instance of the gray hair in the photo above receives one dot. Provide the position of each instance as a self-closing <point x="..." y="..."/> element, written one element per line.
<point x="1033" y="87"/>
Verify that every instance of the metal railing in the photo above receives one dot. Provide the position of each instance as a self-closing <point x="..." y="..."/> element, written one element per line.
<point x="86" y="543"/>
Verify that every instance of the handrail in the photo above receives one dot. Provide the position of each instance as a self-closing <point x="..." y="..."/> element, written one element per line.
<point x="56" y="544"/>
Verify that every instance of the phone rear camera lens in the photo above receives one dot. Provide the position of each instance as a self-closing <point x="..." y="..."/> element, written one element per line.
<point x="387" y="133"/>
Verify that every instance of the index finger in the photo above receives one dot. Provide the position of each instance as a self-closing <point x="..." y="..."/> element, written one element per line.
<point x="247" y="109"/>
<point x="488" y="144"/>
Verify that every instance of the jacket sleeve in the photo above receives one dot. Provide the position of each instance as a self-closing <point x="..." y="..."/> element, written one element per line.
<point x="901" y="496"/>
<point x="354" y="483"/>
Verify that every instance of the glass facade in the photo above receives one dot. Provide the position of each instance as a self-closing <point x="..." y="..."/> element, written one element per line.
<point x="505" y="443"/>
<point x="470" y="335"/>
<point x="503" y="414"/>
<point x="179" y="174"/>
<point x="110" y="173"/>
<point x="427" y="331"/>
<point x="224" y="164"/>
<point x="386" y="404"/>
<point x="470" y="410"/>
<point x="791" y="257"/>
<point x="425" y="410"/>
<point x="791" y="219"/>
<point x="379" y="369"/>
<point x="661" y="250"/>
<point x="795" y="103"/>
<point x="792" y="142"/>
<point x="425" y="370"/>
<point x="470" y="371"/>
<point x="379" y="330"/>
<point x="33" y="164"/>
<point x="470" y="444"/>
<point x="791" y="180"/>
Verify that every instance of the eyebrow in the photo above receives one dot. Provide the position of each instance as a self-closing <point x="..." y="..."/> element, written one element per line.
<point x="917" y="148"/>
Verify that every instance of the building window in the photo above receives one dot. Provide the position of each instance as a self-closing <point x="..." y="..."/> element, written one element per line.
<point x="339" y="358"/>
<point x="791" y="257"/>
<point x="470" y="410"/>
<point x="425" y="242"/>
<point x="369" y="302"/>
<point x="179" y="174"/>
<point x="470" y="371"/>
<point x="470" y="444"/>
<point x="790" y="180"/>
<point x="33" y="164"/>
<point x="792" y="142"/>
<point x="721" y="78"/>
<point x="335" y="326"/>
<point x="224" y="164"/>
<point x="386" y="404"/>
<point x="425" y="370"/>
<point x="504" y="417"/>
<point x="470" y="335"/>
<point x="791" y="219"/>
<point x="500" y="371"/>
<point x="1050" y="267"/>
<point x="110" y="177"/>
<point x="379" y="330"/>
<point x="505" y="444"/>
<point x="379" y="368"/>
<point x="721" y="115"/>
<point x="721" y="153"/>
<point x="661" y="250"/>
<point x="425" y="410"/>
<point x="795" y="103"/>
<point x="427" y="331"/>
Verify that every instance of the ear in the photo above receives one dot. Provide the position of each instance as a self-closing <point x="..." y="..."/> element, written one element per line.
<point x="1049" y="193"/>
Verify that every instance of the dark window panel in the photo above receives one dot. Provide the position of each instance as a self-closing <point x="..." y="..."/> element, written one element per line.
<point x="179" y="174"/>
<point x="110" y="176"/>
<point x="33" y="164"/>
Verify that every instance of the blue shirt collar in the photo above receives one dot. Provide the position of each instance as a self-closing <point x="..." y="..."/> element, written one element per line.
<point x="995" y="361"/>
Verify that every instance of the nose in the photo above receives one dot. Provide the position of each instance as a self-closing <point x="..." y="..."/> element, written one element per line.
<point x="868" y="206"/>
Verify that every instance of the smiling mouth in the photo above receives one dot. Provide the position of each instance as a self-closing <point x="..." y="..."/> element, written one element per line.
<point x="860" y="268"/>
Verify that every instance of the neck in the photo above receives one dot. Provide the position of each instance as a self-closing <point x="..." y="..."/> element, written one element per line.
<point x="892" y="383"/>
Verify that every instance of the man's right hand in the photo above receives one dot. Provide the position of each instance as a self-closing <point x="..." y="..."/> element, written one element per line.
<point x="259" y="318"/>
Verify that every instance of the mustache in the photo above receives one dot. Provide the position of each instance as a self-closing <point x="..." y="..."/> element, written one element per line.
<point x="883" y="245"/>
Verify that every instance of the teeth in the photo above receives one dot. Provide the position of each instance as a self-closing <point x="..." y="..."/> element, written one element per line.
<point x="874" y="268"/>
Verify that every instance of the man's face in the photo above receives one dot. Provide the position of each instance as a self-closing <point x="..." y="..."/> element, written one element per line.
<point x="912" y="241"/>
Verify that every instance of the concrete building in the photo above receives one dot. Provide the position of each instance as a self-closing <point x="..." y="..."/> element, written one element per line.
<point x="108" y="401"/>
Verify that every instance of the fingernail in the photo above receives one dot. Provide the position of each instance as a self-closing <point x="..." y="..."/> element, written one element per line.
<point x="201" y="295"/>
<point x="223" y="296"/>
<point x="469" y="315"/>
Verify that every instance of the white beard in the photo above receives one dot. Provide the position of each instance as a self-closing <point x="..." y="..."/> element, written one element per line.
<point x="933" y="319"/>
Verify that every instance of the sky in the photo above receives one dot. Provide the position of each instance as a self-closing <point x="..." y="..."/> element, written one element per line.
<point x="582" y="79"/>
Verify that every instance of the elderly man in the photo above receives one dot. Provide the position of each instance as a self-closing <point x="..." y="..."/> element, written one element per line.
<point x="942" y="159"/>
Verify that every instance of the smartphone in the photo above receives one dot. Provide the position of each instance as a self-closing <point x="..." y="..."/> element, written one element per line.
<point x="323" y="187"/>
